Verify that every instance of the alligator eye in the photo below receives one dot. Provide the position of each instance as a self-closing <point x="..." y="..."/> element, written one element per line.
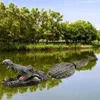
<point x="30" y="70"/>
<point x="23" y="72"/>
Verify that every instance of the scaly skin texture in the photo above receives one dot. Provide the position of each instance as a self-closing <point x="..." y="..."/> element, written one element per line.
<point x="34" y="76"/>
<point x="62" y="70"/>
<point x="29" y="76"/>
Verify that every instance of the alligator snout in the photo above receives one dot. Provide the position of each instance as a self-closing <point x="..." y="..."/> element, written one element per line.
<point x="7" y="62"/>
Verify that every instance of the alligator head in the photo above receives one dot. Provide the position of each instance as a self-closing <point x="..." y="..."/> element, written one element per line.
<point x="27" y="76"/>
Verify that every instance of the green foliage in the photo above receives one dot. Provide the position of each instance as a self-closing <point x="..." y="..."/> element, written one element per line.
<point x="80" y="32"/>
<point x="46" y="47"/>
<point x="31" y="26"/>
<point x="23" y="25"/>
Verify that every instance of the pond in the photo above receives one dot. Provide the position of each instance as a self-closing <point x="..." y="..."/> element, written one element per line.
<point x="84" y="84"/>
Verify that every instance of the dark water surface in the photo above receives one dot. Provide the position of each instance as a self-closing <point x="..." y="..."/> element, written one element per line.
<point x="83" y="85"/>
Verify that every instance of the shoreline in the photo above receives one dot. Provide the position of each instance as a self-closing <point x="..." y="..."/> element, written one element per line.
<point x="43" y="47"/>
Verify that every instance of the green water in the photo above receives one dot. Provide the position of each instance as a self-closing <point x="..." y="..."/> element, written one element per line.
<point x="83" y="85"/>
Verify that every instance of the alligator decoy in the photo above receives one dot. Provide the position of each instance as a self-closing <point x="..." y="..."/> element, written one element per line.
<point x="27" y="75"/>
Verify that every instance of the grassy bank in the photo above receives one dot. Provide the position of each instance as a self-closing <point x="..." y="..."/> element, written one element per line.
<point x="56" y="46"/>
<point x="40" y="46"/>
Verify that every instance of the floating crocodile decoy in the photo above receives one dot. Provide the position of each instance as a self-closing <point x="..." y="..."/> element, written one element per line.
<point x="28" y="76"/>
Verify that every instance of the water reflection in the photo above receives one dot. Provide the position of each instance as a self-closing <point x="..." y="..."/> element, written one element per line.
<point x="42" y="61"/>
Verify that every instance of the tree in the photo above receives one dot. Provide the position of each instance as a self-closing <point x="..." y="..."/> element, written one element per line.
<point x="81" y="31"/>
<point x="29" y="26"/>
<point x="50" y="24"/>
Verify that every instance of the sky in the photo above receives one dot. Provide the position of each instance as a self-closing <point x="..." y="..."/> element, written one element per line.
<point x="72" y="10"/>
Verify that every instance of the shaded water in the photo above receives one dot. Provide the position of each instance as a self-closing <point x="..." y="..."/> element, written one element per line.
<point x="83" y="85"/>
